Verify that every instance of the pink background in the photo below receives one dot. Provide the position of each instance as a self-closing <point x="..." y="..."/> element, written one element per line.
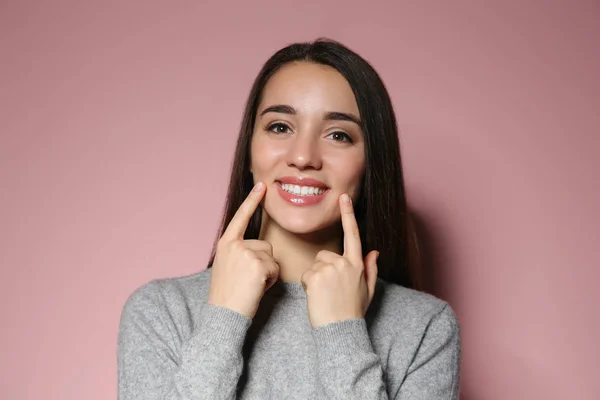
<point x="118" y="123"/>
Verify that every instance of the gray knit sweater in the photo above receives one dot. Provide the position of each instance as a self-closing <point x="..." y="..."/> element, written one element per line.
<point x="172" y="344"/>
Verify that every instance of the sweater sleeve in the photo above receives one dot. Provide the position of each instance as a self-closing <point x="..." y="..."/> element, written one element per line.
<point x="435" y="370"/>
<point x="349" y="368"/>
<point x="154" y="362"/>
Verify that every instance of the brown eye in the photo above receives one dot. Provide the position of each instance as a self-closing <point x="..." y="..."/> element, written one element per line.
<point x="340" y="137"/>
<point x="279" y="127"/>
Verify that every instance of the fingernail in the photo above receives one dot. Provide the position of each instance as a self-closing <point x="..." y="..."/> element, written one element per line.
<point x="345" y="198"/>
<point x="377" y="256"/>
<point x="258" y="187"/>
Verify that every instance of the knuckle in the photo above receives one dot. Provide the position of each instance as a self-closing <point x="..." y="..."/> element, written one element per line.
<point x="256" y="269"/>
<point x="250" y="255"/>
<point x="238" y="246"/>
<point x="325" y="255"/>
<point x="317" y="275"/>
<point x="268" y="246"/>
<point x="330" y="269"/>
<point x="271" y="266"/>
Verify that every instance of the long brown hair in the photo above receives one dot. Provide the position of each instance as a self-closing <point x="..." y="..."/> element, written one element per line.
<point x="381" y="209"/>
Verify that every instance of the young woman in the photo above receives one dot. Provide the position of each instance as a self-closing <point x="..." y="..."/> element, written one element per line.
<point x="308" y="292"/>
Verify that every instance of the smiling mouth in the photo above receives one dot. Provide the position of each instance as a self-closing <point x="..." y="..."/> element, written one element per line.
<point x="298" y="190"/>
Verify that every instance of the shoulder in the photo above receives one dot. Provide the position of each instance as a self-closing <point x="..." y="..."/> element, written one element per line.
<point x="170" y="295"/>
<point x="407" y="311"/>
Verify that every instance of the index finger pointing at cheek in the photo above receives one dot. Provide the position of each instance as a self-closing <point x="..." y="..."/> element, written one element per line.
<point x="352" y="245"/>
<point x="239" y="222"/>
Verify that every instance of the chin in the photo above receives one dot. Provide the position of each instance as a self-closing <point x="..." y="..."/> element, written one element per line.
<point x="299" y="224"/>
<point x="302" y="228"/>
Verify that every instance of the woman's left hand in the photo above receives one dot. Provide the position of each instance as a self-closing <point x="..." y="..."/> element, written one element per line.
<point x="340" y="287"/>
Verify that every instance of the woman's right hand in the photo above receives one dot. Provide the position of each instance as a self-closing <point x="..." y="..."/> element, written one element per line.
<point x="243" y="270"/>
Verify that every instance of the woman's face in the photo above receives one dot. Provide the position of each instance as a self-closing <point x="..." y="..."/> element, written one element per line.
<point x="307" y="146"/>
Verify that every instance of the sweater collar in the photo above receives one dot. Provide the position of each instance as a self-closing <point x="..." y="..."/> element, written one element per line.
<point x="292" y="290"/>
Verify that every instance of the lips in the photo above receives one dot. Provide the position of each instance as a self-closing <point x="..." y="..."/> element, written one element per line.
<point x="293" y="180"/>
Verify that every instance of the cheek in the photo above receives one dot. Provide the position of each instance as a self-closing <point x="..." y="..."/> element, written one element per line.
<point x="264" y="154"/>
<point x="348" y="172"/>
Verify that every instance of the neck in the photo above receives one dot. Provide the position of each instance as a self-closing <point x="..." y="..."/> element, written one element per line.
<point x="295" y="253"/>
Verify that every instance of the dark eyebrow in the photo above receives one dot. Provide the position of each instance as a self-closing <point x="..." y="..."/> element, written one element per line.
<point x="330" y="116"/>
<point x="340" y="116"/>
<point x="279" y="108"/>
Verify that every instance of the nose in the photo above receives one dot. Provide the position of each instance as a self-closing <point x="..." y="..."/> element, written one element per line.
<point x="303" y="152"/>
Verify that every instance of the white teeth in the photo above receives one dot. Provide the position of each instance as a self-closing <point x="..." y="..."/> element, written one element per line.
<point x="302" y="190"/>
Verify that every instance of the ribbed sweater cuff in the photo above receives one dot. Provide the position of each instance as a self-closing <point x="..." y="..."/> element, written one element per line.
<point x="223" y="327"/>
<point x="346" y="337"/>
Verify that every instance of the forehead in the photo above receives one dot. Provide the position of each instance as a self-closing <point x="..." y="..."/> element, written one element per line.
<point x="309" y="87"/>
